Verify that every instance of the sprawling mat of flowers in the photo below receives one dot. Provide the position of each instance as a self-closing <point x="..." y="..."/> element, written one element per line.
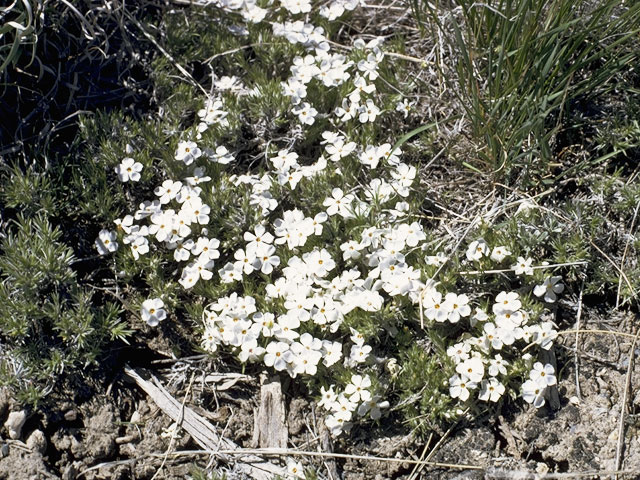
<point x="295" y="321"/>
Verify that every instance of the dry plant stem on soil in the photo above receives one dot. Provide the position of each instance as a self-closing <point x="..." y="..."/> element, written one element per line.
<point x="419" y="466"/>
<point x="175" y="430"/>
<point x="490" y="472"/>
<point x="577" y="360"/>
<point x="623" y="407"/>
<point x="200" y="430"/>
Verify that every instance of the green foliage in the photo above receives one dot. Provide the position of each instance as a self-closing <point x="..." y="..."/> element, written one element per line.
<point x="18" y="30"/>
<point x="49" y="324"/>
<point x="420" y="385"/>
<point x="520" y="65"/>
<point x="197" y="473"/>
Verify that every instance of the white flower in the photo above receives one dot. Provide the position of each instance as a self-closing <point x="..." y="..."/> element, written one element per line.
<point x="359" y="353"/>
<point x="249" y="350"/>
<point x="543" y="375"/>
<point x="188" y="152"/>
<point x="267" y="258"/>
<point x="373" y="406"/>
<point x="368" y="112"/>
<point x="459" y="352"/>
<point x="295" y="470"/>
<point x="458" y="306"/>
<point x="306" y="113"/>
<point x="491" y="390"/>
<point x="221" y="156"/>
<point x="532" y="392"/>
<point x="436" y="260"/>
<point x="523" y="266"/>
<point x="285" y="160"/>
<point x="473" y="368"/>
<point x="479" y="315"/>
<point x="351" y="250"/>
<point x="544" y="335"/>
<point x="278" y="355"/>
<point x="129" y="169"/>
<point x="348" y="110"/>
<point x="404" y="107"/>
<point x="153" y="311"/>
<point x="338" y="203"/>
<point x="329" y="397"/>
<point x="139" y="246"/>
<point x="507" y="302"/>
<point x="294" y="7"/>
<point x="435" y="308"/>
<point x="499" y="253"/>
<point x="246" y="261"/>
<point x="229" y="273"/>
<point x="477" y="249"/>
<point x="497" y="365"/>
<point x="106" y="242"/>
<point x="549" y="288"/>
<point x="168" y="191"/>
<point x="332" y="352"/>
<point x="358" y="388"/>
<point x="336" y="424"/>
<point x="459" y="387"/>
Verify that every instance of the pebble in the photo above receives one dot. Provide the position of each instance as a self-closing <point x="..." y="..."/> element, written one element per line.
<point x="37" y="441"/>
<point x="70" y="415"/>
<point x="14" y="424"/>
<point x="135" y="417"/>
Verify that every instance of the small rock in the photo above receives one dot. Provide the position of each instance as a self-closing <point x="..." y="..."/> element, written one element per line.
<point x="37" y="441"/>
<point x="4" y="450"/>
<point x="71" y="415"/>
<point x="15" y="422"/>
<point x="542" y="468"/>
<point x="135" y="417"/>
<point x="574" y="400"/>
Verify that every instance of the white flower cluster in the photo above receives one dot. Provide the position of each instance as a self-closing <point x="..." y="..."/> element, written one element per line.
<point x="297" y="322"/>
<point x="357" y="397"/>
<point x="505" y="330"/>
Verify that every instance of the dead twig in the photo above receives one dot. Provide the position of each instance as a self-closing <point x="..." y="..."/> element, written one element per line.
<point x="624" y="253"/>
<point x="537" y="267"/>
<point x="623" y="407"/>
<point x="174" y="432"/>
<point x="578" y="317"/>
<point x="166" y="54"/>
<point x="606" y="332"/>
<point x="623" y="275"/>
<point x="202" y="432"/>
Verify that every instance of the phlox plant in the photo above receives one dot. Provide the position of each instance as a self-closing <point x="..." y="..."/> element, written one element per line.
<point x="309" y="258"/>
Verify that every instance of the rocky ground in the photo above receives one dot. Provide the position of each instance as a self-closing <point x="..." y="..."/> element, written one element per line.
<point x="125" y="434"/>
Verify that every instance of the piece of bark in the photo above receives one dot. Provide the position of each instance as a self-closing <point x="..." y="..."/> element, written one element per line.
<point x="549" y="356"/>
<point x="202" y="432"/>
<point x="329" y="463"/>
<point x="270" y="425"/>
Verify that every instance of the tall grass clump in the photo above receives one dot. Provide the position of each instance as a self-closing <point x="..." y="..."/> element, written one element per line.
<point x="520" y="65"/>
<point x="18" y="30"/>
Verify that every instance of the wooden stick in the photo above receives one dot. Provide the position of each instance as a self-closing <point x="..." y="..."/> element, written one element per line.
<point x="200" y="430"/>
<point x="623" y="406"/>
